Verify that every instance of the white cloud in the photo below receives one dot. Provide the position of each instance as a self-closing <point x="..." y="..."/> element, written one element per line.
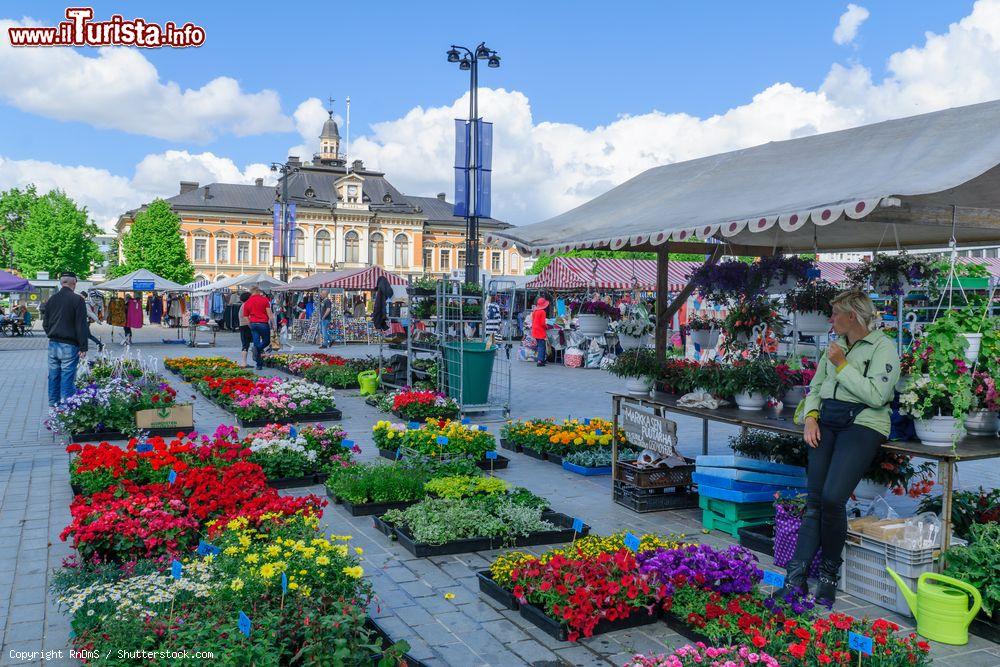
<point x="850" y="21"/>
<point x="120" y="89"/>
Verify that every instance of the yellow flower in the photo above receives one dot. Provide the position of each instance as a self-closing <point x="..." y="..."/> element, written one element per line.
<point x="449" y="596"/>
<point x="252" y="558"/>
<point x="354" y="572"/>
<point x="293" y="585"/>
<point x="322" y="560"/>
<point x="230" y="551"/>
<point x="273" y="550"/>
<point x="358" y="550"/>
<point x="236" y="584"/>
<point x="302" y="572"/>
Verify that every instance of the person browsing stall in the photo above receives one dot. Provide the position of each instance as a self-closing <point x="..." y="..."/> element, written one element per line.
<point x="847" y="420"/>
<point x="257" y="310"/>
<point x="539" y="328"/>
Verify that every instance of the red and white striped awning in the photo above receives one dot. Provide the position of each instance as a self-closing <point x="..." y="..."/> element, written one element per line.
<point x="362" y="279"/>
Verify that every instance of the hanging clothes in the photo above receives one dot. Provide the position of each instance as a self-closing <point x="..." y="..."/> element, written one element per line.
<point x="218" y="305"/>
<point x="175" y="309"/>
<point x="133" y="313"/>
<point x="493" y="318"/>
<point x="155" y="309"/>
<point x="116" y="312"/>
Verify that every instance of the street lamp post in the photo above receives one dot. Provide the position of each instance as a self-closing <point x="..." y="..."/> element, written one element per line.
<point x="468" y="60"/>
<point x="286" y="171"/>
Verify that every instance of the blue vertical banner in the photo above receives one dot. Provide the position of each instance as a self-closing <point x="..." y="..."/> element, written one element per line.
<point x="290" y="243"/>
<point x="276" y="240"/>
<point x="484" y="168"/>
<point x="463" y="145"/>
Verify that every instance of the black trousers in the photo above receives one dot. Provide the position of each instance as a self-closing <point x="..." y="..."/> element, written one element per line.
<point x="835" y="468"/>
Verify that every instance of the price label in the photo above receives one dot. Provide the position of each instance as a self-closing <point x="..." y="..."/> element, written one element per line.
<point x="397" y="453"/>
<point x="466" y="420"/>
<point x="442" y="440"/>
<point x="413" y="425"/>
<point x="172" y="476"/>
<point x="346" y="444"/>
<point x="859" y="643"/>
<point x="243" y="623"/>
<point x="577" y="525"/>
<point x="176" y="569"/>
<point x="586" y="421"/>
<point x="284" y="582"/>
<point x="492" y="455"/>
<point x="774" y="579"/>
<point x="482" y="427"/>
<point x="207" y="549"/>
<point x="293" y="432"/>
<point x="143" y="447"/>
<point x="632" y="542"/>
<point x="597" y="431"/>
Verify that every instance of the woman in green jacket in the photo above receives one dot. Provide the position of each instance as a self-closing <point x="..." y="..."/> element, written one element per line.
<point x="847" y="420"/>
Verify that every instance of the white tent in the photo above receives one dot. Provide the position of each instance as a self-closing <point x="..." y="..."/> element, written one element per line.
<point x="141" y="281"/>
<point x="263" y="280"/>
<point x="903" y="182"/>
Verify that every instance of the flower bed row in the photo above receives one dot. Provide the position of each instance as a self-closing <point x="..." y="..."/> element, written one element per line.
<point x="440" y="439"/>
<point x="211" y="559"/>
<point x="329" y="370"/>
<point x="582" y="446"/>
<point x="708" y="595"/>
<point x="417" y="404"/>
<point x="108" y="395"/>
<point x="258" y="401"/>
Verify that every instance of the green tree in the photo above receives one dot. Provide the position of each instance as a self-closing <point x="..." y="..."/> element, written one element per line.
<point x="545" y="260"/>
<point x="154" y="243"/>
<point x="57" y="236"/>
<point x="14" y="207"/>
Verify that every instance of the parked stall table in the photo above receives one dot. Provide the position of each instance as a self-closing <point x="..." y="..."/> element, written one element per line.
<point x="969" y="448"/>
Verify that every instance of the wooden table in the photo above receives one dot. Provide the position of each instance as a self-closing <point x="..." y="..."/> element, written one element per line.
<point x="969" y="448"/>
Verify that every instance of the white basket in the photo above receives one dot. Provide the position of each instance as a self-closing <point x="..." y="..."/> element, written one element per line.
<point x="866" y="578"/>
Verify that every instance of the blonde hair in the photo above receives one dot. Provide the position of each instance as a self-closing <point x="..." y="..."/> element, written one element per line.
<point x="859" y="303"/>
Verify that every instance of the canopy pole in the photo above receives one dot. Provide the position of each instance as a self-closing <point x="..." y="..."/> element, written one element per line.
<point x="665" y="313"/>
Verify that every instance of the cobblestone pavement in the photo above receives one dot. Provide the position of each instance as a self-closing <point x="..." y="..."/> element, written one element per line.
<point x="466" y="630"/>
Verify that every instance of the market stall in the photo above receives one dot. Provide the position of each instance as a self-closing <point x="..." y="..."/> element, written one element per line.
<point x="165" y="303"/>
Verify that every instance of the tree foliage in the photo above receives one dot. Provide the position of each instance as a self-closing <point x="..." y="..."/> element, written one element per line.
<point x="545" y="260"/>
<point x="154" y="243"/>
<point x="14" y="207"/>
<point x="56" y="236"/>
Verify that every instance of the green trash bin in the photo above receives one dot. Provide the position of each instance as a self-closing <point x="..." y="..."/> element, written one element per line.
<point x="476" y="369"/>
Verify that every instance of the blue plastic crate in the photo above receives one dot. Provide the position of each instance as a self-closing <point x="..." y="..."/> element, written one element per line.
<point x="588" y="472"/>
<point x="753" y="476"/>
<point x="738" y="485"/>
<point x="734" y="496"/>
<point x="746" y="463"/>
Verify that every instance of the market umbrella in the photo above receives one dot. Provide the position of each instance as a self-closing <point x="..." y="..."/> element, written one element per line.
<point x="142" y="280"/>
<point x="11" y="283"/>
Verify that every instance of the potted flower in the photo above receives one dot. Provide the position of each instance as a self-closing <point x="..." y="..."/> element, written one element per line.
<point x="983" y="420"/>
<point x="423" y="286"/>
<point x="938" y="404"/>
<point x="795" y="375"/>
<point x="639" y="367"/>
<point x="752" y="382"/>
<point x="891" y="275"/>
<point x="780" y="273"/>
<point x="704" y="330"/>
<point x="724" y="282"/>
<point x="632" y="330"/>
<point x="594" y="317"/>
<point x="747" y="316"/>
<point x="811" y="307"/>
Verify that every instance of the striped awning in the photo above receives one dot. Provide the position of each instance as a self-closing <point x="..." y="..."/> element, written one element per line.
<point x="349" y="279"/>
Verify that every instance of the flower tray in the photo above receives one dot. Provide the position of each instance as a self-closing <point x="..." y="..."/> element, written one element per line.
<point x="581" y="470"/>
<point x="504" y="444"/>
<point x="291" y="482"/>
<point x="493" y="590"/>
<point x="563" y="533"/>
<point x="655" y="477"/>
<point x="499" y="463"/>
<point x="384" y="528"/>
<point x="637" y="501"/>
<point x="554" y="458"/>
<point x="118" y="435"/>
<point x="982" y="626"/>
<point x="679" y="626"/>
<point x="387" y="453"/>
<point x="758" y="538"/>
<point x="534" y="453"/>
<point x="408" y="661"/>
<point x="77" y="489"/>
<point x="423" y="550"/>
<point x="332" y="414"/>
<point x="369" y="509"/>
<point x="551" y="626"/>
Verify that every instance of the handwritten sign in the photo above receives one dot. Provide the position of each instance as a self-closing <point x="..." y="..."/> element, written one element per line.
<point x="859" y="643"/>
<point x="774" y="579"/>
<point x="648" y="431"/>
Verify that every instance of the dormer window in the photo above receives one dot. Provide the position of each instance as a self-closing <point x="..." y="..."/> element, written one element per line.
<point x="352" y="194"/>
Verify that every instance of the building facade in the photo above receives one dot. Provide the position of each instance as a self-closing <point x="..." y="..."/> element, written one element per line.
<point x="346" y="217"/>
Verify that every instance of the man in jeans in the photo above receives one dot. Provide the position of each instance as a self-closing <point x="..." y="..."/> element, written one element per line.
<point x="326" y="320"/>
<point x="257" y="309"/>
<point x="65" y="323"/>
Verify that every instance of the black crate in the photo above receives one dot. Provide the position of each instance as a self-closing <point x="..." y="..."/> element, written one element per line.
<point x="758" y="538"/>
<point x="291" y="482"/>
<point x="627" y="496"/>
<point x="533" y="453"/>
<point x="493" y="590"/>
<point x="655" y="477"/>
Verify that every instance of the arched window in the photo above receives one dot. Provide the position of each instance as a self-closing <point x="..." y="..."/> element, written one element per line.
<point x="300" y="246"/>
<point x="322" y="247"/>
<point x="199" y="278"/>
<point x="351" y="245"/>
<point x="402" y="251"/>
<point x="221" y="276"/>
<point x="376" y="249"/>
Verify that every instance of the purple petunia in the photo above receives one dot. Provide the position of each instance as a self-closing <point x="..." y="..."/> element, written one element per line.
<point x="732" y="570"/>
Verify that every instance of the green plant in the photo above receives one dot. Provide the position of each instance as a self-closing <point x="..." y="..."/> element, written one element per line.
<point x="753" y="376"/>
<point x="376" y="483"/>
<point x="745" y="316"/>
<point x="440" y="520"/>
<point x="814" y="296"/>
<point x="598" y="457"/>
<point x="636" y="363"/>
<point x="978" y="563"/>
<point x="778" y="447"/>
<point x="426" y="283"/>
<point x="461" y="486"/>
<point x="888" y="273"/>
<point x="927" y="397"/>
<point x="967" y="508"/>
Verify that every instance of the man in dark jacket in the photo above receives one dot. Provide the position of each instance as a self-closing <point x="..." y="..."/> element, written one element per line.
<point x="65" y="323"/>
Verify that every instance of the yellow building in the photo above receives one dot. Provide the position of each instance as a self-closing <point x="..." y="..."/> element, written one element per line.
<point x="346" y="218"/>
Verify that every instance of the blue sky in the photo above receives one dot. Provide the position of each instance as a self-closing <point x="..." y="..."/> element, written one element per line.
<point x="578" y="64"/>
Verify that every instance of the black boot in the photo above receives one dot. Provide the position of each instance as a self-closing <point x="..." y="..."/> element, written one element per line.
<point x="829" y="577"/>
<point x="796" y="573"/>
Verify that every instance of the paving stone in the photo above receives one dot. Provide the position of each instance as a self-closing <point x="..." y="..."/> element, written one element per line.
<point x="400" y="574"/>
<point x="480" y="611"/>
<point x="532" y="652"/>
<point x="418" y="589"/>
<point x="435" y="634"/>
<point x="579" y="655"/>
<point x="503" y="630"/>
<point x="460" y="654"/>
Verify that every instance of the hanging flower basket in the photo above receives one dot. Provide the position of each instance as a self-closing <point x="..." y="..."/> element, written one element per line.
<point x="629" y="342"/>
<point x="937" y="431"/>
<point x="812" y="323"/>
<point x="592" y="324"/>
<point x="975" y="340"/>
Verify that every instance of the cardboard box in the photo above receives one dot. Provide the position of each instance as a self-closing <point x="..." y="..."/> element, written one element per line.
<point x="180" y="417"/>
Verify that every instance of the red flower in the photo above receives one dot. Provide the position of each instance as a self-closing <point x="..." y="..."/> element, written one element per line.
<point x="797" y="650"/>
<point x="759" y="641"/>
<point x="73" y="448"/>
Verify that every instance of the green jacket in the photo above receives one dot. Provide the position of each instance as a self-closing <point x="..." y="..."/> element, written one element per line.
<point x="850" y="383"/>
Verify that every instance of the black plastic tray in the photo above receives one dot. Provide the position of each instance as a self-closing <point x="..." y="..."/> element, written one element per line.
<point x="684" y="630"/>
<point x="535" y="454"/>
<point x="758" y="538"/>
<point x="372" y="624"/>
<point x="369" y="509"/>
<point x="493" y="590"/>
<point x="384" y="528"/>
<point x="554" y="458"/>
<point x="387" y="454"/>
<point x="421" y="550"/>
<point x="551" y="626"/>
<point x="510" y="448"/>
<point x="292" y="482"/>
<point x="499" y="463"/>
<point x="118" y="435"/>
<point x="329" y="415"/>
<point x="982" y="627"/>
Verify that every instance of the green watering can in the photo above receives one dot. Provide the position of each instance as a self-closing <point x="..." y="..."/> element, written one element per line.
<point x="368" y="381"/>
<point x="941" y="606"/>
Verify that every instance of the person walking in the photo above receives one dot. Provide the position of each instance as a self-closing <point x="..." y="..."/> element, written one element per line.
<point x="258" y="311"/>
<point x="326" y="320"/>
<point x="538" y="330"/>
<point x="246" y="338"/>
<point x="847" y="420"/>
<point x="91" y="318"/>
<point x="65" y="324"/>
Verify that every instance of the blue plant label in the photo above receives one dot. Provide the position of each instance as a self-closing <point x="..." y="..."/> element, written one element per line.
<point x="172" y="476"/>
<point x="346" y="444"/>
<point x="632" y="542"/>
<point x="176" y="569"/>
<point x="397" y="452"/>
<point x="442" y="440"/>
<point x="243" y="623"/>
<point x="207" y="549"/>
<point x="413" y="425"/>
<point x="577" y="525"/>
<point x="859" y="643"/>
<point x="491" y="455"/>
<point x="774" y="579"/>
<point x="143" y="447"/>
<point x="586" y="421"/>
<point x="597" y="431"/>
<point x="482" y="427"/>
<point x="284" y="582"/>
<point x="293" y="432"/>
<point x="466" y="420"/>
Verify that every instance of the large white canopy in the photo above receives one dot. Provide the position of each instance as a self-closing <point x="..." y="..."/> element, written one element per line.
<point x="885" y="184"/>
<point x="143" y="278"/>
<point x="262" y="280"/>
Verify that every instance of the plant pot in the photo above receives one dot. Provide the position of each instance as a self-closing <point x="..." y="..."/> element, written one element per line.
<point x="629" y="342"/>
<point x="867" y="491"/>
<point x="812" y="323"/>
<point x="972" y="350"/>
<point x="594" y="325"/>
<point x="794" y="395"/>
<point x="937" y="431"/>
<point x="750" y="401"/>
<point x="639" y="386"/>
<point x="706" y="339"/>
<point x="982" y="422"/>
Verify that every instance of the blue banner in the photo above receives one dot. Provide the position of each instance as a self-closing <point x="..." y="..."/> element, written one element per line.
<point x="484" y="180"/>
<point x="290" y="243"/>
<point x="484" y="145"/>
<point x="143" y="285"/>
<point x="276" y="234"/>
<point x="484" y="168"/>
<point x="462" y="147"/>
